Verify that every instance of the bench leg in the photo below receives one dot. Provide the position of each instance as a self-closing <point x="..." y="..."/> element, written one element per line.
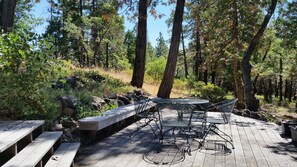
<point x="92" y="135"/>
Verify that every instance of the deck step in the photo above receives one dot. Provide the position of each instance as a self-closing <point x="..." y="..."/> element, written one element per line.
<point x="32" y="154"/>
<point x="13" y="131"/>
<point x="64" y="155"/>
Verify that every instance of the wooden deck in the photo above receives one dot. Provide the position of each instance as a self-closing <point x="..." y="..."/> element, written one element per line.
<point x="257" y="143"/>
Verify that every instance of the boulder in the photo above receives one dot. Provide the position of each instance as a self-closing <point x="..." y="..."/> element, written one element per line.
<point x="246" y="113"/>
<point x="68" y="111"/>
<point x="120" y="103"/>
<point x="138" y="92"/>
<point x="55" y="126"/>
<point x="97" y="102"/>
<point x="237" y="112"/>
<point x="254" y="115"/>
<point x="124" y="99"/>
<point x="68" y="101"/>
<point x="112" y="96"/>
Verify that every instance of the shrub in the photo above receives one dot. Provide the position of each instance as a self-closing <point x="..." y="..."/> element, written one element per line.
<point x="156" y="68"/>
<point x="25" y="78"/>
<point x="213" y="93"/>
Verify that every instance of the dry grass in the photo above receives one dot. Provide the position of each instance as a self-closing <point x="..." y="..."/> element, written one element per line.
<point x="150" y="88"/>
<point x="283" y="113"/>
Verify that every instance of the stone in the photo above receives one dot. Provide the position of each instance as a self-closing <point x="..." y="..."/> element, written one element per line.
<point x="56" y="127"/>
<point x="68" y="124"/>
<point x="97" y="102"/>
<point x="138" y="92"/>
<point x="68" y="111"/>
<point x="120" y="103"/>
<point x="237" y="112"/>
<point x="68" y="101"/>
<point x="107" y="100"/>
<point x="124" y="99"/>
<point x="254" y="115"/>
<point x="246" y="113"/>
<point x="112" y="96"/>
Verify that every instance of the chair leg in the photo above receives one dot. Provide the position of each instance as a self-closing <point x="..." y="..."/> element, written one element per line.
<point x="142" y="126"/>
<point x="214" y="129"/>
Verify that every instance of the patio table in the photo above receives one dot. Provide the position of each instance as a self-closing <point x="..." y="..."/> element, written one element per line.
<point x="199" y="103"/>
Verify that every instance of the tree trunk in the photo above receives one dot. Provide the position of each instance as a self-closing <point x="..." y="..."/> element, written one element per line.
<point x="238" y="85"/>
<point x="213" y="77"/>
<point x="167" y="81"/>
<point x="7" y="10"/>
<point x="139" y="63"/>
<point x="198" y="53"/>
<point x="266" y="91"/>
<point x="290" y="90"/>
<point x="270" y="88"/>
<point x="251" y="102"/>
<point x="281" y="81"/>
<point x="286" y="89"/>
<point x="276" y="88"/>
<point x="205" y="77"/>
<point x="107" y="56"/>
<point x="184" y="54"/>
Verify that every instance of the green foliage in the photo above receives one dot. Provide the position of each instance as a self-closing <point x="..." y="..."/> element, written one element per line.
<point x="25" y="82"/>
<point x="130" y="42"/>
<point x="161" y="48"/>
<point x="213" y="93"/>
<point x="156" y="68"/>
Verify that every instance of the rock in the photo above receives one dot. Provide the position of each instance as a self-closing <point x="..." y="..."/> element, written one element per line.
<point x="68" y="111"/>
<point x="112" y="96"/>
<point x="237" y="112"/>
<point x="107" y="100"/>
<point x="120" y="103"/>
<point x="56" y="127"/>
<point x="68" y="101"/>
<point x="97" y="102"/>
<point x="124" y="99"/>
<point x="74" y="81"/>
<point x="254" y="115"/>
<point x="96" y="77"/>
<point x="138" y="92"/>
<point x="246" y="113"/>
<point x="68" y="124"/>
<point x="135" y="98"/>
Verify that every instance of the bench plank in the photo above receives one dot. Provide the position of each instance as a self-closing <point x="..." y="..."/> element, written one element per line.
<point x="64" y="156"/>
<point x="13" y="131"/>
<point x="34" y="152"/>
<point x="111" y="117"/>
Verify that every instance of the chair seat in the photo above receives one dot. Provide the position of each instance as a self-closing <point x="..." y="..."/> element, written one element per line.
<point x="176" y="124"/>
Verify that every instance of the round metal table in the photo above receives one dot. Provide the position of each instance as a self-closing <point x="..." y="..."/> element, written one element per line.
<point x="192" y="101"/>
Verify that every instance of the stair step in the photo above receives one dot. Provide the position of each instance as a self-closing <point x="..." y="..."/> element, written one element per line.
<point x="32" y="154"/>
<point x="64" y="155"/>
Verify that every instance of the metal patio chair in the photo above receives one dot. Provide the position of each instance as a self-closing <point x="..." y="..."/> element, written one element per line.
<point x="222" y="111"/>
<point x="175" y="121"/>
<point x="145" y="115"/>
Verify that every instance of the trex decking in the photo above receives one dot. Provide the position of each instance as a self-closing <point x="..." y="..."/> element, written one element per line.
<point x="257" y="143"/>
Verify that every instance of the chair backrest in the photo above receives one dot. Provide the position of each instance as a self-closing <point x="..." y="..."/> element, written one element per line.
<point x="226" y="107"/>
<point x="141" y="106"/>
<point x="175" y="114"/>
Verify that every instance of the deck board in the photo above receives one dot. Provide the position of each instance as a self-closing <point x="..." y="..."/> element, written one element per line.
<point x="257" y="143"/>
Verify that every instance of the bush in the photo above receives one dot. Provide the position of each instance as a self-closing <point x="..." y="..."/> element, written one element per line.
<point x="156" y="68"/>
<point x="25" y="78"/>
<point x="213" y="93"/>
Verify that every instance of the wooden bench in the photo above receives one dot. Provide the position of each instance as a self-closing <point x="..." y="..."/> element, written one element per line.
<point x="35" y="152"/>
<point x="93" y="124"/>
<point x="64" y="155"/>
<point x="15" y="135"/>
